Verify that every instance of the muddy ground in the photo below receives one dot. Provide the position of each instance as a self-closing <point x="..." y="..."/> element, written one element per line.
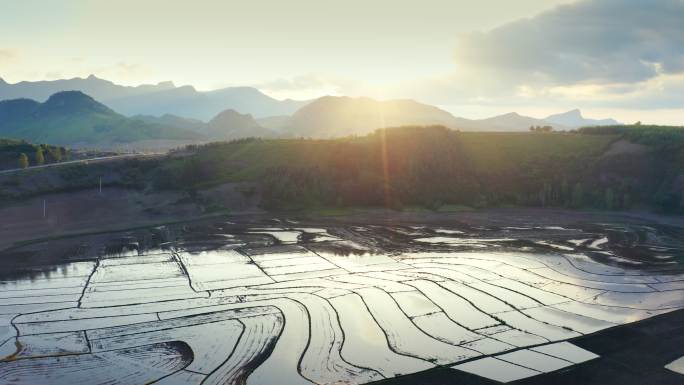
<point x="87" y="211"/>
<point x="639" y="240"/>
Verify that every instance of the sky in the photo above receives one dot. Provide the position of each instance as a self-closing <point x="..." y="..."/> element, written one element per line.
<point x="611" y="58"/>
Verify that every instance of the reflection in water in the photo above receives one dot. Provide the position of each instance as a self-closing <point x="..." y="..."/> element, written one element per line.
<point x="351" y="304"/>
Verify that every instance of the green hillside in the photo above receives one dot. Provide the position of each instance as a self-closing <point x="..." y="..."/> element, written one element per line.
<point x="73" y="117"/>
<point x="426" y="166"/>
<point x="434" y="168"/>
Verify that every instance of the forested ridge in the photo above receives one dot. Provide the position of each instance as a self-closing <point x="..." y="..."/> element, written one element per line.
<point x="435" y="167"/>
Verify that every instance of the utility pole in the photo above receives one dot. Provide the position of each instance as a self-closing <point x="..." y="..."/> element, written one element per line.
<point x="44" y="209"/>
<point x="100" y="185"/>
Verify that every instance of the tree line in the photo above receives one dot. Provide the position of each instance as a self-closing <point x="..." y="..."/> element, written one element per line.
<point x="23" y="154"/>
<point x="434" y="166"/>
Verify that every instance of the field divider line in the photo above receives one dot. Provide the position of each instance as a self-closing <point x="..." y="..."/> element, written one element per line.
<point x="85" y="286"/>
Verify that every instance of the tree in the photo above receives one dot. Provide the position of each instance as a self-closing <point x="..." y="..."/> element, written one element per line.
<point x="541" y="128"/>
<point x="577" y="195"/>
<point x="40" y="158"/>
<point x="565" y="192"/>
<point x="54" y="155"/>
<point x="65" y="153"/>
<point x="609" y="198"/>
<point x="546" y="195"/>
<point x="23" y="160"/>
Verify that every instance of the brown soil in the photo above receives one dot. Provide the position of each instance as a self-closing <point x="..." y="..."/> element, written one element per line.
<point x="88" y="211"/>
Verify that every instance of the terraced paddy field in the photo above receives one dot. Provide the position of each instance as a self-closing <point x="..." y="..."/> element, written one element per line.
<point x="288" y="302"/>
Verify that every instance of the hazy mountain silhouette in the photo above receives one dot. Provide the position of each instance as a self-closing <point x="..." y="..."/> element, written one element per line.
<point x="341" y="116"/>
<point x="333" y="116"/>
<point x="227" y="125"/>
<point x="231" y="124"/>
<point x="574" y="119"/>
<point x="99" y="89"/>
<point x="159" y="99"/>
<point x="511" y="121"/>
<point x="276" y="123"/>
<point x="186" y="101"/>
<point x="174" y="121"/>
<point x="72" y="117"/>
<point x="243" y="111"/>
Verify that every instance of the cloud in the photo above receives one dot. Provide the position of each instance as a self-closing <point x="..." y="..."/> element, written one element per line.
<point x="601" y="41"/>
<point x="54" y="75"/>
<point x="126" y="70"/>
<point x="663" y="91"/>
<point x="7" y="55"/>
<point x="297" y="83"/>
<point x="119" y="72"/>
<point x="310" y="86"/>
<point x="600" y="54"/>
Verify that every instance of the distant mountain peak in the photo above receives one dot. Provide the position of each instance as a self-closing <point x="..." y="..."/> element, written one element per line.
<point x="72" y="117"/>
<point x="333" y="116"/>
<point x="574" y="118"/>
<point x="72" y="101"/>
<point x="166" y="84"/>
<point x="231" y="114"/>
<point x="230" y="124"/>
<point x="574" y="113"/>
<point x="156" y="99"/>
<point x="69" y="96"/>
<point x="92" y="78"/>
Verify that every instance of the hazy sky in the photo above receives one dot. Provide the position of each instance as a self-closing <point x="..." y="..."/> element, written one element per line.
<point x="618" y="58"/>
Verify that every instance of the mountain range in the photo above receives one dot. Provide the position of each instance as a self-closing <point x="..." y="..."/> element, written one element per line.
<point x="157" y="99"/>
<point x="574" y="118"/>
<point x="335" y="116"/>
<point x="76" y="119"/>
<point x="120" y="114"/>
<point x="71" y="117"/>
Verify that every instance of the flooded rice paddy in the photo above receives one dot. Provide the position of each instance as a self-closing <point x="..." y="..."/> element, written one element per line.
<point x="284" y="302"/>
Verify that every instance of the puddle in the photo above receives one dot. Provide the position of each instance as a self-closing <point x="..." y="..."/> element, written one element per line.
<point x="366" y="344"/>
<point x="566" y="351"/>
<point x="448" y="231"/>
<point x="497" y="370"/>
<point x="476" y="242"/>
<point x="534" y="360"/>
<point x="282" y="236"/>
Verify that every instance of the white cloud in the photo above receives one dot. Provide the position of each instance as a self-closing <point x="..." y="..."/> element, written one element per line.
<point x="621" y="54"/>
<point x="7" y="55"/>
<point x="123" y="72"/>
<point x="314" y="85"/>
<point x="600" y="41"/>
